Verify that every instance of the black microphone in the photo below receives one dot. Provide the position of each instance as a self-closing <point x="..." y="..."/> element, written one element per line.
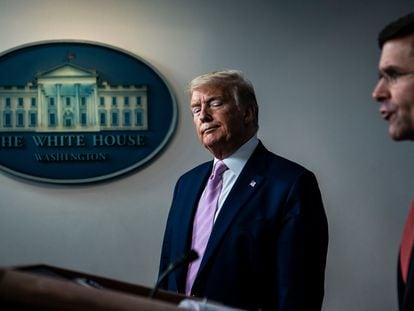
<point x="186" y="258"/>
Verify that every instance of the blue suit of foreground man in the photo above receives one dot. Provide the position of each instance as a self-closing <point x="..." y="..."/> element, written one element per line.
<point x="267" y="248"/>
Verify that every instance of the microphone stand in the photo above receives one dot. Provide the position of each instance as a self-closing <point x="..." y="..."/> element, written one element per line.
<point x="186" y="258"/>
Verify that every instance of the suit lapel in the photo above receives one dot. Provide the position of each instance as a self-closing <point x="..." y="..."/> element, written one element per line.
<point x="246" y="185"/>
<point x="409" y="289"/>
<point x="191" y="192"/>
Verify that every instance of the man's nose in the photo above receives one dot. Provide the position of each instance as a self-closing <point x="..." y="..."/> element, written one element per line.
<point x="205" y="113"/>
<point x="381" y="91"/>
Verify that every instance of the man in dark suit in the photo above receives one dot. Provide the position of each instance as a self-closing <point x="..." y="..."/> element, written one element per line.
<point x="268" y="245"/>
<point x="395" y="92"/>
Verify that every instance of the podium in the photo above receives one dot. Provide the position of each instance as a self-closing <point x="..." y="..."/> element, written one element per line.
<point x="44" y="287"/>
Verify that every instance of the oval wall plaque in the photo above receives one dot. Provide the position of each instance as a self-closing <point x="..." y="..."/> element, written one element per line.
<point x="78" y="112"/>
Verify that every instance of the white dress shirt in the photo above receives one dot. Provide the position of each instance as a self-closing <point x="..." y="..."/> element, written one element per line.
<point x="235" y="163"/>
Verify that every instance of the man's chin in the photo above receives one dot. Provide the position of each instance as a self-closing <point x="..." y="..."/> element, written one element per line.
<point x="401" y="135"/>
<point x="209" y="139"/>
<point x="394" y="136"/>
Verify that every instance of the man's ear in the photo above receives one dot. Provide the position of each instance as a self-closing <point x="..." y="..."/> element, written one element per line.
<point x="249" y="114"/>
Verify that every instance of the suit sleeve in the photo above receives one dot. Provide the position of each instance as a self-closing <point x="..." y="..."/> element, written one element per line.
<point x="166" y="259"/>
<point x="301" y="248"/>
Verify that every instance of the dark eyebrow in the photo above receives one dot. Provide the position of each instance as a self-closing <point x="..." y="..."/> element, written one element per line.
<point x="389" y="72"/>
<point x="391" y="69"/>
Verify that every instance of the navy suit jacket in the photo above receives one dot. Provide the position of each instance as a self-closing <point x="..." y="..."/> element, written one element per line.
<point x="269" y="243"/>
<point x="406" y="290"/>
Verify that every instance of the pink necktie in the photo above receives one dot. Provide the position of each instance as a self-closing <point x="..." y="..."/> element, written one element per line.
<point x="204" y="220"/>
<point x="407" y="244"/>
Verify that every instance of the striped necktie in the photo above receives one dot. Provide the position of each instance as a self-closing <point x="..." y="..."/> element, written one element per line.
<point x="204" y="220"/>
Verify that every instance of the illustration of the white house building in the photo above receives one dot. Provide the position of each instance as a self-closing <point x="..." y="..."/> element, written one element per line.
<point x="69" y="98"/>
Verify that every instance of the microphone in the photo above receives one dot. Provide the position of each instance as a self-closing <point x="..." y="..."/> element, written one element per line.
<point x="186" y="258"/>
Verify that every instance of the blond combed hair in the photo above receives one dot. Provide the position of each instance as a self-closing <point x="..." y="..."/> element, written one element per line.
<point x="234" y="82"/>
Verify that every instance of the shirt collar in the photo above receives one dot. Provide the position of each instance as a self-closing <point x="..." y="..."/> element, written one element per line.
<point x="238" y="159"/>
